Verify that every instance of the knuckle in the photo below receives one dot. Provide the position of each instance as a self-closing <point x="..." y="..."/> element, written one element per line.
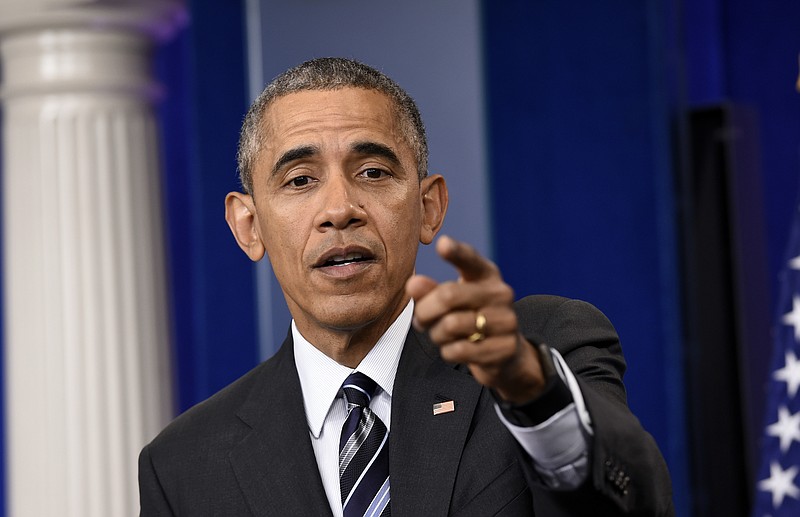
<point x="501" y="293"/>
<point x="421" y="316"/>
<point x="450" y="324"/>
<point x="448" y="293"/>
<point x="451" y="353"/>
<point x="435" y="333"/>
<point x="505" y="293"/>
<point x="511" y="322"/>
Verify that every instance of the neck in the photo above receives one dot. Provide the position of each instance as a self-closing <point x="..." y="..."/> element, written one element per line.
<point x="348" y="349"/>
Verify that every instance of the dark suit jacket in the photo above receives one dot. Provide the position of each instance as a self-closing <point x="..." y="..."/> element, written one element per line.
<point x="247" y="451"/>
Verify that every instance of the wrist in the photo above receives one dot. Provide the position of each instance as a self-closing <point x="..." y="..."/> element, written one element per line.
<point x="546" y="402"/>
<point x="529" y="375"/>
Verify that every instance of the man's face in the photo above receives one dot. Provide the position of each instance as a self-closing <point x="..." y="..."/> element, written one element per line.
<point x="339" y="208"/>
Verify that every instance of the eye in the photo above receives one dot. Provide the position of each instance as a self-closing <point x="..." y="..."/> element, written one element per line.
<point x="373" y="173"/>
<point x="299" y="181"/>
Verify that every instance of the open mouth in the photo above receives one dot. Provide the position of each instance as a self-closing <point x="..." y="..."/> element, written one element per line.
<point x="343" y="260"/>
<point x="344" y="257"/>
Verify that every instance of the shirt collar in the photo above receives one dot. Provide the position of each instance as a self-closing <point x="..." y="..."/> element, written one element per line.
<point x="321" y="377"/>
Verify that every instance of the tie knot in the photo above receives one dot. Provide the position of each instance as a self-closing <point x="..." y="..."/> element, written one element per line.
<point x="358" y="389"/>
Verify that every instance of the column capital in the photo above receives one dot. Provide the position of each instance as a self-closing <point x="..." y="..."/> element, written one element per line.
<point x="158" y="19"/>
<point x="70" y="46"/>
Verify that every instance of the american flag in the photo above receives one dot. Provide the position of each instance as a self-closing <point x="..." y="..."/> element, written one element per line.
<point x="777" y="491"/>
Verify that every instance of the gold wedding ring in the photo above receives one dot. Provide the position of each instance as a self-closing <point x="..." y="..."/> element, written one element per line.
<point x="480" y="327"/>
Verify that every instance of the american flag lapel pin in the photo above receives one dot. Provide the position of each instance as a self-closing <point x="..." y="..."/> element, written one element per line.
<point x="448" y="406"/>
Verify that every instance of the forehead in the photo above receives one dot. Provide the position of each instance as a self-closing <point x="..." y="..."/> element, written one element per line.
<point x="357" y="112"/>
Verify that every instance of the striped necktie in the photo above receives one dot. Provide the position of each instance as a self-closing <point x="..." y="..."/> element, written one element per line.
<point x="363" y="453"/>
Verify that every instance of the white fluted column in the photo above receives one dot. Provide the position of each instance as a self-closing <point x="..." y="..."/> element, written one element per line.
<point x="87" y="375"/>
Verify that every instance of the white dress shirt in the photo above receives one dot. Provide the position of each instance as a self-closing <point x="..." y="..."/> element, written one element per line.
<point x="558" y="447"/>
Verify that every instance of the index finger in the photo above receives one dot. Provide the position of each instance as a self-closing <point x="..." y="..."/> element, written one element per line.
<point x="471" y="265"/>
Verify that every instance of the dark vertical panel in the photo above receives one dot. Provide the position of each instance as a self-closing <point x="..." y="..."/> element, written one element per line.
<point x="212" y="280"/>
<point x="581" y="176"/>
<point x="727" y="306"/>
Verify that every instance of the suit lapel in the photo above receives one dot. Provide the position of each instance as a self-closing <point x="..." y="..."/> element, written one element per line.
<point x="275" y="463"/>
<point x="425" y="449"/>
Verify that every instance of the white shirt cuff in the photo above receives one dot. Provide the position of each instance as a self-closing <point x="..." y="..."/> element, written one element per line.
<point x="559" y="446"/>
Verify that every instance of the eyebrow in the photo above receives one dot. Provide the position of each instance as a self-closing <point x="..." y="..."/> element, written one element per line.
<point x="362" y="148"/>
<point x="375" y="149"/>
<point x="291" y="155"/>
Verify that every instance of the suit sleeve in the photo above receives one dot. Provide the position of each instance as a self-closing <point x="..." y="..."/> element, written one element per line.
<point x="627" y="474"/>
<point x="152" y="500"/>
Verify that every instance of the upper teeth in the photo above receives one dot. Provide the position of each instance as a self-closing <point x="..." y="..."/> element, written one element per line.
<point x="347" y="258"/>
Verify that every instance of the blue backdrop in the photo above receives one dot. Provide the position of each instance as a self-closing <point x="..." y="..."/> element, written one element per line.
<point x="581" y="166"/>
<point x="581" y="106"/>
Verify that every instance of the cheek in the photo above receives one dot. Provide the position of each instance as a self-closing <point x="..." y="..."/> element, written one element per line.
<point x="403" y="226"/>
<point x="283" y="242"/>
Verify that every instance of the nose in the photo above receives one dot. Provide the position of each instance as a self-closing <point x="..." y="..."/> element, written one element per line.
<point x="340" y="207"/>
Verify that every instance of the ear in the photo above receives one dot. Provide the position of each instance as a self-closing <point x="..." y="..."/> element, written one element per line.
<point x="243" y="222"/>
<point x="433" y="191"/>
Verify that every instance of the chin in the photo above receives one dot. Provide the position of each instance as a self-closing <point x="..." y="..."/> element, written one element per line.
<point x="347" y="315"/>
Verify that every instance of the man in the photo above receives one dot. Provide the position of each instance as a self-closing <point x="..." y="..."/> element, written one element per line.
<point x="394" y="394"/>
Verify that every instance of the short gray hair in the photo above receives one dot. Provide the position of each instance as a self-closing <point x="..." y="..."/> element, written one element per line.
<point x="330" y="73"/>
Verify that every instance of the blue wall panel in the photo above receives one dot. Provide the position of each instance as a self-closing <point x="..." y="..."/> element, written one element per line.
<point x="212" y="280"/>
<point x="762" y="42"/>
<point x="581" y="181"/>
